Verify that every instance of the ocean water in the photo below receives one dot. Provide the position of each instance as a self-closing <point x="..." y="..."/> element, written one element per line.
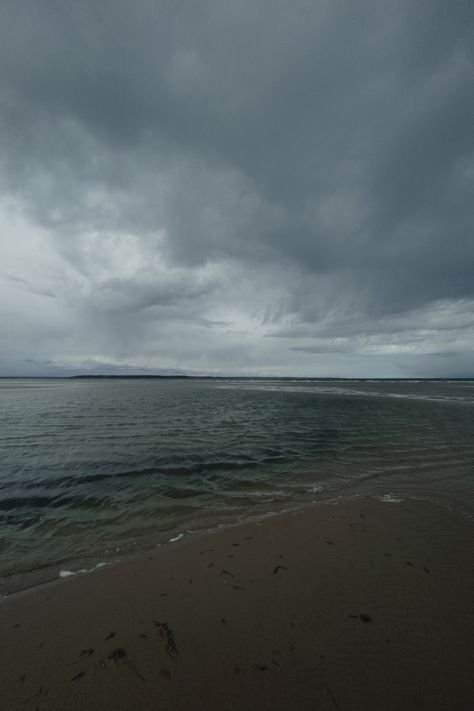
<point x="95" y="469"/>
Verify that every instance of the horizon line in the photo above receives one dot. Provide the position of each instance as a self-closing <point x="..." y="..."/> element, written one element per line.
<point x="184" y="376"/>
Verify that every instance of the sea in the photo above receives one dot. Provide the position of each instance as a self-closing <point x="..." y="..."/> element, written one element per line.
<point x="93" y="470"/>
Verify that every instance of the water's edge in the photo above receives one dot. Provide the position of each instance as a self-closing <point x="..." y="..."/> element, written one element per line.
<point x="28" y="581"/>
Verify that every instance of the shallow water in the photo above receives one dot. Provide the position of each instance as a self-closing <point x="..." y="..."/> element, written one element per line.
<point x="96" y="468"/>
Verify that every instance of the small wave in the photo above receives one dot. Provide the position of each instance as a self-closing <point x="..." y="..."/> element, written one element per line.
<point x="316" y="489"/>
<point x="389" y="498"/>
<point x="81" y="571"/>
<point x="33" y="502"/>
<point x="319" y="389"/>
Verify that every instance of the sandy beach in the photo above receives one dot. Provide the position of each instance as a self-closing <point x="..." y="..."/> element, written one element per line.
<point x="356" y="606"/>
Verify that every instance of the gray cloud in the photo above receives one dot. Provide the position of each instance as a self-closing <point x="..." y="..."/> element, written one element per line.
<point x="202" y="177"/>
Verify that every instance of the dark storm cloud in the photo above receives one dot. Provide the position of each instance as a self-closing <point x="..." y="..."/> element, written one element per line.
<point x="325" y="148"/>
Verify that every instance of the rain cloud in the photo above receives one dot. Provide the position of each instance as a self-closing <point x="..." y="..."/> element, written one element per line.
<point x="261" y="187"/>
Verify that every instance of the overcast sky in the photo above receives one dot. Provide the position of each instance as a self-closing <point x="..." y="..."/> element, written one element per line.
<point x="237" y="187"/>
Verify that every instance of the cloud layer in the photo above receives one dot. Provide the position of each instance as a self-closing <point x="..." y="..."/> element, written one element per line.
<point x="256" y="187"/>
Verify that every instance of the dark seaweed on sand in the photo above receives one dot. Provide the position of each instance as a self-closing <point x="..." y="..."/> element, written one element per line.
<point x="167" y="638"/>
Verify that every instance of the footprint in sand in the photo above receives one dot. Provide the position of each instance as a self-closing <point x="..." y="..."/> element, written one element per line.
<point x="120" y="656"/>
<point x="362" y="617"/>
<point x="38" y="693"/>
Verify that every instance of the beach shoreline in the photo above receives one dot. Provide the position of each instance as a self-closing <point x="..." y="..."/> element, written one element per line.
<point x="360" y="604"/>
<point x="25" y="581"/>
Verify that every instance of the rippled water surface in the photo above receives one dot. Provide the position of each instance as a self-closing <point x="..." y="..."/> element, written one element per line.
<point x="98" y="467"/>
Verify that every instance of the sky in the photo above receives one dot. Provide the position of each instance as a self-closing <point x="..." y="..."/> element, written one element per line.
<point x="260" y="187"/>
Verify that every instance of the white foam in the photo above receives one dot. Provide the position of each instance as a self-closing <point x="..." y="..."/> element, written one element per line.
<point x="180" y="535"/>
<point x="316" y="489"/>
<point x="390" y="499"/>
<point x="69" y="573"/>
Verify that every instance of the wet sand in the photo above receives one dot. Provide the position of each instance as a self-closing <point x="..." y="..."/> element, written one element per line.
<point x="364" y="605"/>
